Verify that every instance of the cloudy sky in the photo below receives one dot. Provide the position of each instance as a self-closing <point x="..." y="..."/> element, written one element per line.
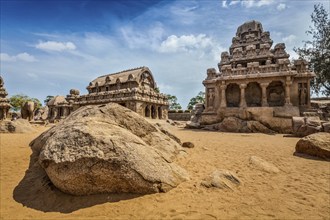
<point x="49" y="47"/>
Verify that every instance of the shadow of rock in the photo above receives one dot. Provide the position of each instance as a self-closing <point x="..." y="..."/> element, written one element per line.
<point x="36" y="191"/>
<point x="306" y="156"/>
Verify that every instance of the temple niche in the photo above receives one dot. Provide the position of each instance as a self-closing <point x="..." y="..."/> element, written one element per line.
<point x="133" y="89"/>
<point x="4" y="101"/>
<point x="253" y="77"/>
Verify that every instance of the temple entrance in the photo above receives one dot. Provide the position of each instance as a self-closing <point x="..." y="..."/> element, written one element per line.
<point x="253" y="95"/>
<point x="147" y="112"/>
<point x="153" y="112"/>
<point x="233" y="95"/>
<point x="160" y="116"/>
<point x="275" y="94"/>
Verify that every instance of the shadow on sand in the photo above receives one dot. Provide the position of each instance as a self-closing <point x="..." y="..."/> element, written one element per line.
<point x="306" y="156"/>
<point x="36" y="191"/>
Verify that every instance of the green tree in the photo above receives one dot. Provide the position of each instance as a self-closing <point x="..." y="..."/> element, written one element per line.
<point x="173" y="102"/>
<point x="200" y="98"/>
<point x="157" y="90"/>
<point x="18" y="100"/>
<point x="317" y="50"/>
<point x="48" y="98"/>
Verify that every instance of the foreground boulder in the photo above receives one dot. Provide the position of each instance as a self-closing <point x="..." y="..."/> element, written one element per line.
<point x="109" y="149"/>
<point x="317" y="144"/>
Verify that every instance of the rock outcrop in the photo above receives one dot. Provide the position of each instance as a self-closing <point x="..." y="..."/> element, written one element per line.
<point x="317" y="145"/>
<point x="303" y="126"/>
<point x="109" y="149"/>
<point x="222" y="179"/>
<point x="16" y="126"/>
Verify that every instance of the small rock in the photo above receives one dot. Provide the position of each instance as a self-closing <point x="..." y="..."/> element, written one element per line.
<point x="191" y="124"/>
<point x="263" y="165"/>
<point x="222" y="179"/>
<point x="188" y="144"/>
<point x="326" y="127"/>
<point x="317" y="144"/>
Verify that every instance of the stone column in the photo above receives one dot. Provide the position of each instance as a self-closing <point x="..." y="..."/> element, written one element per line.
<point x="308" y="93"/>
<point x="216" y="97"/>
<point x="264" y="102"/>
<point x="242" y="102"/>
<point x="287" y="92"/>
<point x="223" y="103"/>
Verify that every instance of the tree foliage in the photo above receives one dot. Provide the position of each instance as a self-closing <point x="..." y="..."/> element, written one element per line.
<point x="317" y="50"/>
<point x="173" y="102"/>
<point x="18" y="100"/>
<point x="48" y="98"/>
<point x="200" y="98"/>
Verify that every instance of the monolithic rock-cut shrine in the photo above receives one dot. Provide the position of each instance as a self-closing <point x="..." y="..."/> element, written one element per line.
<point x="254" y="78"/>
<point x="133" y="88"/>
<point x="4" y="102"/>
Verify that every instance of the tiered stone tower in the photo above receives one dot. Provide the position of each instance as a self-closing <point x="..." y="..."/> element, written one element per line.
<point x="4" y="102"/>
<point x="253" y="75"/>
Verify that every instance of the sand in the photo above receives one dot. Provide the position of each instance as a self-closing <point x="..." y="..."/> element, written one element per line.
<point x="300" y="190"/>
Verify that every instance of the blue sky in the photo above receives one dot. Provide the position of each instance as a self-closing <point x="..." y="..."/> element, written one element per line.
<point x="49" y="47"/>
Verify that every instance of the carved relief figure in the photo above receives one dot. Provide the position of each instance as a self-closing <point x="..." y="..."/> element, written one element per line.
<point x="237" y="53"/>
<point x="210" y="97"/>
<point x="302" y="93"/>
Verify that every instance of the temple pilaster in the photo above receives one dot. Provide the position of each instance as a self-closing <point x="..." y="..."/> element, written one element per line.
<point x="242" y="101"/>
<point x="264" y="102"/>
<point x="223" y="103"/>
<point x="288" y="84"/>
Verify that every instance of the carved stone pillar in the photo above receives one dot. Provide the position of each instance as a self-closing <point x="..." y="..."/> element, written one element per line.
<point x="287" y="92"/>
<point x="308" y="93"/>
<point x="264" y="102"/>
<point x="223" y="103"/>
<point x="242" y="101"/>
<point x="216" y="97"/>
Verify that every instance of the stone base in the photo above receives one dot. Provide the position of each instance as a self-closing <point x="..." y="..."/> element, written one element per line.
<point x="278" y="119"/>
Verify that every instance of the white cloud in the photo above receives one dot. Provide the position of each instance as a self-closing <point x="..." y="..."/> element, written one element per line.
<point x="224" y="4"/>
<point x="185" y="43"/>
<point x="234" y="2"/>
<point x="56" y="46"/>
<point x="248" y="3"/>
<point x="19" y="57"/>
<point x="281" y="6"/>
<point x="289" y="39"/>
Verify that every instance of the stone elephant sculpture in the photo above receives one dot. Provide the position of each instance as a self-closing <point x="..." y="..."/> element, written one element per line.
<point x="28" y="109"/>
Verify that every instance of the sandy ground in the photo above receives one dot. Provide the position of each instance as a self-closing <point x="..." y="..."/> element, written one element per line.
<point x="301" y="190"/>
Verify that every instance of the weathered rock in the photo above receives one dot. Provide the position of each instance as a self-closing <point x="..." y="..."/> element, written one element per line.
<point x="326" y="127"/>
<point x="222" y="179"/>
<point x="263" y="165"/>
<point x="188" y="145"/>
<point x="257" y="127"/>
<point x="108" y="148"/>
<point x="233" y="124"/>
<point x="16" y="126"/>
<point x="168" y="133"/>
<point x="297" y="122"/>
<point x="313" y="121"/>
<point x="193" y="125"/>
<point x="317" y="144"/>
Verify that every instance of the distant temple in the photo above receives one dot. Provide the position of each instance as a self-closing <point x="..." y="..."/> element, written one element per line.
<point x="4" y="101"/>
<point x="133" y="88"/>
<point x="254" y="76"/>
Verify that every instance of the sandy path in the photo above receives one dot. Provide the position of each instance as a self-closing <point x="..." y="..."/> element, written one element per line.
<point x="301" y="190"/>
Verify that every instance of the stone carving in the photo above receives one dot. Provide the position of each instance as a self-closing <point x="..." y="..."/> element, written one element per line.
<point x="133" y="88"/>
<point x="4" y="102"/>
<point x="28" y="109"/>
<point x="252" y="74"/>
<point x="211" y="73"/>
<point x="283" y="64"/>
<point x="210" y="97"/>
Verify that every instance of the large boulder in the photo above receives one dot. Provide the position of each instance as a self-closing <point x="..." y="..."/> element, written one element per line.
<point x="109" y="149"/>
<point x="317" y="144"/>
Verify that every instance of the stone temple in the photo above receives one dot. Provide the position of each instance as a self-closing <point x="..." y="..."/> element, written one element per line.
<point x="133" y="88"/>
<point x="4" y="101"/>
<point x="256" y="79"/>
